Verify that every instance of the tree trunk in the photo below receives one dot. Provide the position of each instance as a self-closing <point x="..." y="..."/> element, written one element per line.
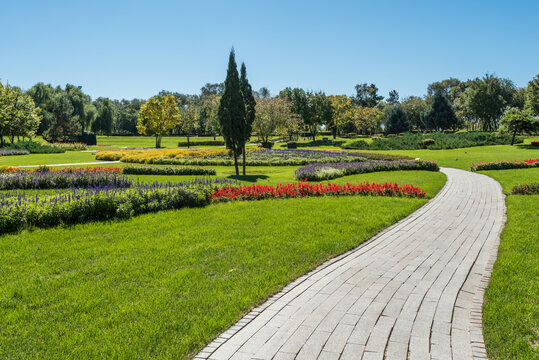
<point x="244" y="159"/>
<point x="513" y="139"/>
<point x="236" y="163"/>
<point x="157" y="142"/>
<point x="213" y="136"/>
<point x="334" y="133"/>
<point x="188" y="144"/>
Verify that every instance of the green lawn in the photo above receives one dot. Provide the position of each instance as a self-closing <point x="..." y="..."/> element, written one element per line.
<point x="511" y="309"/>
<point x="163" y="285"/>
<point x="42" y="159"/>
<point x="511" y="177"/>
<point x="148" y="141"/>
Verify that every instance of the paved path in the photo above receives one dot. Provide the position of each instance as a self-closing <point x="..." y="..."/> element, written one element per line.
<point x="413" y="291"/>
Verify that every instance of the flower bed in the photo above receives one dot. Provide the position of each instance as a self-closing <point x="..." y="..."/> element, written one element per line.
<point x="70" y="146"/>
<point x="505" y="164"/>
<point x="535" y="143"/>
<point x="167" y="170"/>
<point x="254" y="157"/>
<point x="13" y="152"/>
<point x="61" y="179"/>
<point x="20" y="210"/>
<point x="318" y="171"/>
<point x="527" y="189"/>
<point x="302" y="189"/>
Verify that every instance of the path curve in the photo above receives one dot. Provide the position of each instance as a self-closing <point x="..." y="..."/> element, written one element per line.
<point x="414" y="291"/>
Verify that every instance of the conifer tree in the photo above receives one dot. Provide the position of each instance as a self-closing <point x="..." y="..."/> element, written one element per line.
<point x="440" y="115"/>
<point x="250" y="104"/>
<point x="232" y="112"/>
<point x="397" y="121"/>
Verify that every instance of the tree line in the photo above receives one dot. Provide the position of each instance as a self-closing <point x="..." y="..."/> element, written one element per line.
<point x="64" y="114"/>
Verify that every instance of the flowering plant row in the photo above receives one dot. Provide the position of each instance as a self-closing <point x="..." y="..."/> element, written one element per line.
<point x="167" y="170"/>
<point x="318" y="172"/>
<point x="13" y="152"/>
<point x="302" y="189"/>
<point x="73" y="146"/>
<point x="254" y="157"/>
<point x="527" y="189"/>
<point x="505" y="164"/>
<point x="21" y="210"/>
<point x="61" y="179"/>
<point x="535" y="143"/>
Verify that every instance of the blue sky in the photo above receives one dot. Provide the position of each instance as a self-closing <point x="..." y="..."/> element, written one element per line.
<point x="127" y="49"/>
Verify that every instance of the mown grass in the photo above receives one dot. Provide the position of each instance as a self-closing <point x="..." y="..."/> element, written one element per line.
<point x="148" y="141"/>
<point x="163" y="285"/>
<point x="68" y="157"/>
<point x="511" y="308"/>
<point x="511" y="177"/>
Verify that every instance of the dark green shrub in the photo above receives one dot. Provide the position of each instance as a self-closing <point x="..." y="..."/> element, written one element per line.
<point x="89" y="138"/>
<point x="356" y="144"/>
<point x="427" y="142"/>
<point x="338" y="143"/>
<point x="36" y="148"/>
<point x="266" y="144"/>
<point x="527" y="189"/>
<point x="292" y="145"/>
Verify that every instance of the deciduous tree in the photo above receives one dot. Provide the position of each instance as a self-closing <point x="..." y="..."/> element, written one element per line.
<point x="517" y="122"/>
<point x="532" y="97"/>
<point x="65" y="126"/>
<point x="158" y="116"/>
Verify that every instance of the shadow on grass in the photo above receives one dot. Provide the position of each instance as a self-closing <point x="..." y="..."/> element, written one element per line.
<point x="249" y="178"/>
<point x="527" y="147"/>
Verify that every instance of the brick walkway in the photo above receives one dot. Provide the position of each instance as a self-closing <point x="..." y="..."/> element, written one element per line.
<point x="413" y="291"/>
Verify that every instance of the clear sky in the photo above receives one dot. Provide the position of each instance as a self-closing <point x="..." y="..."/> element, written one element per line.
<point x="127" y="49"/>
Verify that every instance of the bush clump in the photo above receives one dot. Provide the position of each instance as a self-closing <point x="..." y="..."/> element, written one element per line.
<point x="505" y="164"/>
<point x="427" y="142"/>
<point x="526" y="189"/>
<point x="292" y="145"/>
<point x="36" y="148"/>
<point x="441" y="141"/>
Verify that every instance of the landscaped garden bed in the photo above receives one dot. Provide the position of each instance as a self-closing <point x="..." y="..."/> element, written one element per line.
<point x="167" y="170"/>
<point x="505" y="164"/>
<point x="13" y="152"/>
<point x="526" y="189"/>
<point x="254" y="157"/>
<point x="320" y="171"/>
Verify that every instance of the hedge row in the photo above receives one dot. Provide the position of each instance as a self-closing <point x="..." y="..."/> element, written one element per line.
<point x="201" y="143"/>
<point x="167" y="170"/>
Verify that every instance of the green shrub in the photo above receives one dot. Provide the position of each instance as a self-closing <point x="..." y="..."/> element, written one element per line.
<point x="201" y="143"/>
<point x="527" y="189"/>
<point x="292" y="145"/>
<point x="36" y="148"/>
<point x="427" y="142"/>
<point x="441" y="141"/>
<point x="266" y="144"/>
<point x="338" y="143"/>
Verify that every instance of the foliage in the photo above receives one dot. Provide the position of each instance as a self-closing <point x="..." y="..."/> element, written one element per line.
<point x="321" y="111"/>
<point x="250" y="105"/>
<point x="487" y="98"/>
<point x="396" y="121"/>
<point x="519" y="122"/>
<point x="321" y="171"/>
<point x="367" y="120"/>
<point x="105" y="116"/>
<point x="535" y="143"/>
<point x="291" y="144"/>
<point x="210" y="109"/>
<point x="343" y="112"/>
<point x="505" y="164"/>
<point x="367" y="95"/>
<point x="166" y="170"/>
<point x="231" y="112"/>
<point x="441" y="141"/>
<point x="531" y="104"/>
<point x="65" y="126"/>
<point x="35" y="147"/>
<point x="157" y="116"/>
<point x="440" y="114"/>
<point x="415" y="107"/>
<point x="71" y="146"/>
<point x="274" y="114"/>
<point x="526" y="189"/>
<point x="18" y="114"/>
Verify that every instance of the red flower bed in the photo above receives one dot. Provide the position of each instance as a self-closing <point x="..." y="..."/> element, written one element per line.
<point x="531" y="161"/>
<point x="302" y="189"/>
<point x="505" y="164"/>
<point x="535" y="143"/>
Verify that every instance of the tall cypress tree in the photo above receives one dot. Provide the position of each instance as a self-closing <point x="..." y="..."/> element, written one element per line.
<point x="397" y="121"/>
<point x="440" y="114"/>
<point x="250" y="104"/>
<point x="231" y="112"/>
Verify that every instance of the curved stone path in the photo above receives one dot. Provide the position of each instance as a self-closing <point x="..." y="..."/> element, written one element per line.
<point x="414" y="291"/>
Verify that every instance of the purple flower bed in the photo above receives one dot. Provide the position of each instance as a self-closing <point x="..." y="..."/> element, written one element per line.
<point x="61" y="180"/>
<point x="326" y="171"/>
<point x="19" y="210"/>
<point x="13" y="152"/>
